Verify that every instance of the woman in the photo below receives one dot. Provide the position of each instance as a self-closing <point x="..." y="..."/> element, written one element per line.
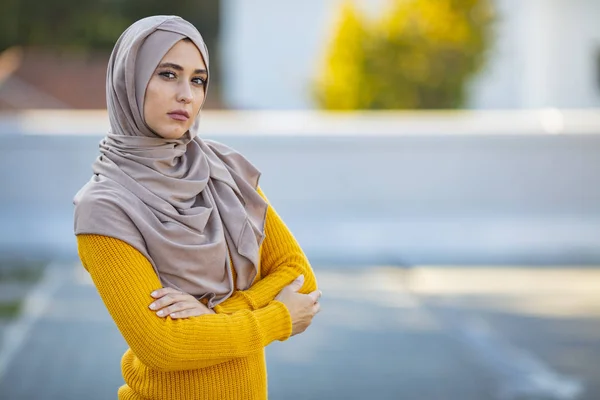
<point x="196" y="268"/>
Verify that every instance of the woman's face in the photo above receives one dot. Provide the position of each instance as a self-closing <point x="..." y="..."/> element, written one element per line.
<point x="176" y="91"/>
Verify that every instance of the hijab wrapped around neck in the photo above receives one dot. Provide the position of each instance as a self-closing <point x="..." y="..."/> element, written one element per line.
<point x="190" y="206"/>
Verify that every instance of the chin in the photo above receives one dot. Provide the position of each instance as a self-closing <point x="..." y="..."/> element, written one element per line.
<point x="170" y="133"/>
<point x="173" y="135"/>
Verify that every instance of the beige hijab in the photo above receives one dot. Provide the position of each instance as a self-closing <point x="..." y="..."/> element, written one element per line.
<point x="184" y="204"/>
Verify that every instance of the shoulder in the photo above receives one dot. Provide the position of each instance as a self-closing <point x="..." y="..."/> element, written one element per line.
<point x="262" y="194"/>
<point x="99" y="210"/>
<point x="97" y="199"/>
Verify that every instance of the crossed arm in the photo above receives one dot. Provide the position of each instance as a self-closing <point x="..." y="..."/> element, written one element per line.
<point x="248" y="321"/>
<point x="282" y="261"/>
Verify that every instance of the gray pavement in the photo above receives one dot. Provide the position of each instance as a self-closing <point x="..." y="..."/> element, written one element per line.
<point x="384" y="333"/>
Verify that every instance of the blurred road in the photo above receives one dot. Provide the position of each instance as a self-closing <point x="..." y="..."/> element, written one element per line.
<point x="384" y="333"/>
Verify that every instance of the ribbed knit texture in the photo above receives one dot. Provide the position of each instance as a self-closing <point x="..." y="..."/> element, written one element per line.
<point x="215" y="356"/>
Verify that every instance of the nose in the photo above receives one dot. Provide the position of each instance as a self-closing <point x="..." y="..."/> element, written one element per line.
<point x="184" y="94"/>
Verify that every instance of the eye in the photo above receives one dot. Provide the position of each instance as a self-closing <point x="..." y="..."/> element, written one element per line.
<point x="199" y="81"/>
<point x="168" y="74"/>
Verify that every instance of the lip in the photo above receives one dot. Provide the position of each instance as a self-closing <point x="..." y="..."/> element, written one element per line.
<point x="179" y="115"/>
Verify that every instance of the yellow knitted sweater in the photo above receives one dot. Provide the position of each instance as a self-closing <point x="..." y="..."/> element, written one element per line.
<point x="213" y="356"/>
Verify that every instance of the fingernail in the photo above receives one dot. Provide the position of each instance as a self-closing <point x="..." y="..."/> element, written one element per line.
<point x="152" y="306"/>
<point x="160" y="313"/>
<point x="153" y="294"/>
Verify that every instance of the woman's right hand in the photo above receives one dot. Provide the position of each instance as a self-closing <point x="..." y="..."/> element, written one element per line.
<point x="302" y="307"/>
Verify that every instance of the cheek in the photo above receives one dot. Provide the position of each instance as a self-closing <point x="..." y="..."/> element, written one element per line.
<point x="152" y="104"/>
<point x="198" y="100"/>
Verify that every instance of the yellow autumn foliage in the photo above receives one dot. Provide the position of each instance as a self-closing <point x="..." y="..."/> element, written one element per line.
<point x="420" y="54"/>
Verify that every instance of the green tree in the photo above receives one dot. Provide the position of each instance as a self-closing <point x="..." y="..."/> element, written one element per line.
<point x="93" y="24"/>
<point x="420" y="55"/>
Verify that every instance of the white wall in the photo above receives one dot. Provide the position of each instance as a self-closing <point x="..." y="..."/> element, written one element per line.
<point x="498" y="85"/>
<point x="545" y="56"/>
<point x="271" y="49"/>
<point x="545" y="53"/>
<point x="573" y="42"/>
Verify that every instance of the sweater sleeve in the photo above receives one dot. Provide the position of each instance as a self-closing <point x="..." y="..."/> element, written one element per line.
<point x="282" y="260"/>
<point x="124" y="279"/>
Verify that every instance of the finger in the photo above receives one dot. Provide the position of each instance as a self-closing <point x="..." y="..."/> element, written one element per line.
<point x="316" y="308"/>
<point x="192" y="312"/>
<point x="163" y="291"/>
<point x="315" y="295"/>
<point x="176" y="307"/>
<point x="296" y="285"/>
<point x="167" y="300"/>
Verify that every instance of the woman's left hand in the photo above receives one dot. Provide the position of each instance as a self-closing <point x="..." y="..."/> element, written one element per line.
<point x="176" y="304"/>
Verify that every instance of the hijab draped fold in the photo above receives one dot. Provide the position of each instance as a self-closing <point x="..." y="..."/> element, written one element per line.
<point x="190" y="206"/>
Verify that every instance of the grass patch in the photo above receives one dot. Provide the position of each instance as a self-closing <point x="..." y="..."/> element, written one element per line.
<point x="21" y="271"/>
<point x="10" y="309"/>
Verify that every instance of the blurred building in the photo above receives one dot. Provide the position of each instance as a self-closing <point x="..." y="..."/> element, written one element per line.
<point x="547" y="53"/>
<point x="36" y="78"/>
<point x="39" y="78"/>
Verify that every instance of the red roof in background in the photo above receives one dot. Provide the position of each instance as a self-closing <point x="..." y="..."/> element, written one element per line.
<point x="35" y="78"/>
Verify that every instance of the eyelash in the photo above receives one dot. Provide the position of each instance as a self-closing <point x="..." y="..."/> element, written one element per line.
<point x="166" y="73"/>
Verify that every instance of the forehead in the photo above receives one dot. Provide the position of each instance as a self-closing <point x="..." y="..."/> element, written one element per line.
<point x="186" y="54"/>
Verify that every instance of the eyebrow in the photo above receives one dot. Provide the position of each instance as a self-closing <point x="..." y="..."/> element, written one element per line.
<point x="180" y="68"/>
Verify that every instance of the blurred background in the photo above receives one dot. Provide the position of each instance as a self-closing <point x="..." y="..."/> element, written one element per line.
<point x="438" y="161"/>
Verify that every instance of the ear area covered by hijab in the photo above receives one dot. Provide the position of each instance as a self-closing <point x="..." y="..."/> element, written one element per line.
<point x="183" y="203"/>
